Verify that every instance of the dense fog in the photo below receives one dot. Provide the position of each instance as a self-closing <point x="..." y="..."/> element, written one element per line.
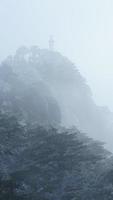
<point x="82" y="31"/>
<point x="56" y="108"/>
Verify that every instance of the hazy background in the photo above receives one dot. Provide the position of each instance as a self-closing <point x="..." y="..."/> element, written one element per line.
<point x="83" y="31"/>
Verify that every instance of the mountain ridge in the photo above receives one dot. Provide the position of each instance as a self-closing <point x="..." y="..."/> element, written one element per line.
<point x="64" y="83"/>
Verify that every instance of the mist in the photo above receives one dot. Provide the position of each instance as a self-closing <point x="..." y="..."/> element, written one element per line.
<point x="56" y="100"/>
<point x="83" y="31"/>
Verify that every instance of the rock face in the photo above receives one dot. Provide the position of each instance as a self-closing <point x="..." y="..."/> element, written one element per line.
<point x="46" y="87"/>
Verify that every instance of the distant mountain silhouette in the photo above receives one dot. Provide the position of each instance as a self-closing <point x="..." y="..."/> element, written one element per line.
<point x="48" y="88"/>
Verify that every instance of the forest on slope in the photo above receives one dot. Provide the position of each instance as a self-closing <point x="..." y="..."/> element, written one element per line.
<point x="40" y="83"/>
<point x="45" y="164"/>
<point x="47" y="119"/>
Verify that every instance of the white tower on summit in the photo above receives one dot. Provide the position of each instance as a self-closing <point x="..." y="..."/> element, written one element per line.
<point x="51" y="43"/>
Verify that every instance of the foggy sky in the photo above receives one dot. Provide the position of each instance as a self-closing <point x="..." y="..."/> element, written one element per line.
<point x="83" y="31"/>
